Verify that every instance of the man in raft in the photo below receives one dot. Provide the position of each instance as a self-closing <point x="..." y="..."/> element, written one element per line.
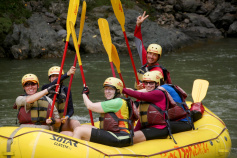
<point x="149" y="58"/>
<point x="67" y="124"/>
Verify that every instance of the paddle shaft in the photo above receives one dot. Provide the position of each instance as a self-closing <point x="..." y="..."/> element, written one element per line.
<point x="130" y="54"/>
<point x="121" y="77"/>
<point x="69" y="88"/>
<point x="79" y="61"/>
<point x="59" y="78"/>
<point x="83" y="13"/>
<point x="112" y="69"/>
<point x="84" y="83"/>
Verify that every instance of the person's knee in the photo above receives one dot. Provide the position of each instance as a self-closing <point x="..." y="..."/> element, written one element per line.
<point x="82" y="132"/>
<point x="74" y="124"/>
<point x="68" y="133"/>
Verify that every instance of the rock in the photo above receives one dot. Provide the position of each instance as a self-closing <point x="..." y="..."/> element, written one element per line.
<point x="217" y="13"/>
<point x="58" y="8"/>
<point x="233" y="30"/>
<point x="227" y="20"/>
<point x="197" y="32"/>
<point x="62" y="33"/>
<point x="187" y="5"/>
<point x="35" y="41"/>
<point x="20" y="51"/>
<point x="200" y="20"/>
<point x="177" y="23"/>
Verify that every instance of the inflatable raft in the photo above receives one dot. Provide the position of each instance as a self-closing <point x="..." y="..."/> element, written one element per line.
<point x="209" y="139"/>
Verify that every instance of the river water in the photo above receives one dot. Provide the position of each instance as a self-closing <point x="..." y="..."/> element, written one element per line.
<point x="214" y="61"/>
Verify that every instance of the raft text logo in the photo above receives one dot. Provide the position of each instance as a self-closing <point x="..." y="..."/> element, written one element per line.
<point x="188" y="152"/>
<point x="63" y="142"/>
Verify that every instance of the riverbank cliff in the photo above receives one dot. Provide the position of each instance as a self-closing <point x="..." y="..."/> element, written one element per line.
<point x="172" y="23"/>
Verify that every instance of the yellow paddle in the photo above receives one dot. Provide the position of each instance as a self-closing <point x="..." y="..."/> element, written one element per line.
<point x="116" y="61"/>
<point x="83" y="14"/>
<point x="106" y="39"/>
<point x="118" y="11"/>
<point x="199" y="90"/>
<point x="71" y="16"/>
<point x="74" y="37"/>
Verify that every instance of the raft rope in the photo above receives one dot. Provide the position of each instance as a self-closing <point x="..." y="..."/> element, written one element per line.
<point x="216" y="117"/>
<point x="110" y="155"/>
<point x="10" y="140"/>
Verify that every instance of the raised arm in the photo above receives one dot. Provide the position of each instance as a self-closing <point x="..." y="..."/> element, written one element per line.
<point x="152" y="96"/>
<point x="96" y="107"/>
<point x="38" y="95"/>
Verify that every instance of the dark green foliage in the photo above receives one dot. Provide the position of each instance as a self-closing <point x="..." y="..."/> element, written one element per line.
<point x="11" y="11"/>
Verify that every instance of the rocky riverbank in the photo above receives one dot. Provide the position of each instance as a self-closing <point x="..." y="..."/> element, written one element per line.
<point x="174" y="24"/>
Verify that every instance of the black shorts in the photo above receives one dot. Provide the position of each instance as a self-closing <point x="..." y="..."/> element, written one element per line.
<point x="155" y="133"/>
<point x="100" y="136"/>
<point x="180" y="126"/>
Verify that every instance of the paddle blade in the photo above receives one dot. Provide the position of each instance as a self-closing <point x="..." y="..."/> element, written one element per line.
<point x="74" y="38"/>
<point x="71" y="15"/>
<point x="118" y="11"/>
<point x="83" y="15"/>
<point x="115" y="58"/>
<point x="199" y="90"/>
<point x="105" y="36"/>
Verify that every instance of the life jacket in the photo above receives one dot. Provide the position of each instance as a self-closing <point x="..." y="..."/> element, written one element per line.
<point x="177" y="110"/>
<point x="60" y="100"/>
<point x="115" y="123"/>
<point x="38" y="113"/>
<point x="150" y="114"/>
<point x="146" y="68"/>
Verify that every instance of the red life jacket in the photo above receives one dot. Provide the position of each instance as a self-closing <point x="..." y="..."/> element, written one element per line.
<point x="150" y="114"/>
<point x="112" y="121"/>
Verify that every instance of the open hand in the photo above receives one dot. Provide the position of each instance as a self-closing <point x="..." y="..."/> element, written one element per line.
<point x="141" y="18"/>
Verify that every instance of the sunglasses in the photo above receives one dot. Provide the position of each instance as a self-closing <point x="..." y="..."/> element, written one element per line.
<point x="150" y="83"/>
<point x="30" y="84"/>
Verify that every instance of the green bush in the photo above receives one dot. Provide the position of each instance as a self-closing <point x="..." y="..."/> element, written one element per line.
<point x="5" y="24"/>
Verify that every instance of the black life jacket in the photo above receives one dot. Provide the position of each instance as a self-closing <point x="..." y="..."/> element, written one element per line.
<point x="60" y="100"/>
<point x="145" y="68"/>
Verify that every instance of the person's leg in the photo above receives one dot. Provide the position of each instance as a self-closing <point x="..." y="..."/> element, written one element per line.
<point x="155" y="133"/>
<point x="68" y="133"/>
<point x="138" y="137"/>
<point x="73" y="124"/>
<point x="70" y="125"/>
<point x="101" y="136"/>
<point x="83" y="132"/>
<point x="180" y="126"/>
